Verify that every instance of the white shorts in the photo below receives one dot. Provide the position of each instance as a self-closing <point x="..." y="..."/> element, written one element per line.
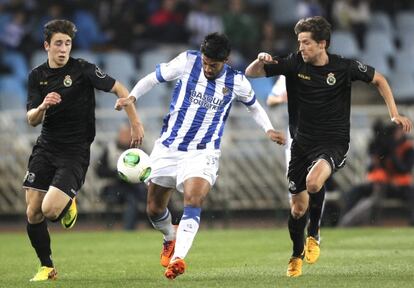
<point x="170" y="168"/>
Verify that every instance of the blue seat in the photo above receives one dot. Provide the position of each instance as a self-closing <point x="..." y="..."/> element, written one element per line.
<point x="404" y="21"/>
<point x="381" y="21"/>
<point x="404" y="62"/>
<point x="12" y="94"/>
<point x="379" y="42"/>
<point x="17" y="64"/>
<point x="121" y="66"/>
<point x="378" y="61"/>
<point x="344" y="43"/>
<point x="402" y="85"/>
<point x="262" y="87"/>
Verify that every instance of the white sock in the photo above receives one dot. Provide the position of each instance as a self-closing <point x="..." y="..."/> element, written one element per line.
<point x="187" y="229"/>
<point x="163" y="223"/>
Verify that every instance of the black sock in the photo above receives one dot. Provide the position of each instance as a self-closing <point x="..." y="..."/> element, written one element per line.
<point x="40" y="239"/>
<point x="297" y="233"/>
<point x="315" y="212"/>
<point x="63" y="213"/>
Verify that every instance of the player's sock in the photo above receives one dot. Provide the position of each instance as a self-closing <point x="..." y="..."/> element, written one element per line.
<point x="163" y="223"/>
<point x="187" y="229"/>
<point x="297" y="233"/>
<point x="40" y="239"/>
<point x="316" y="202"/>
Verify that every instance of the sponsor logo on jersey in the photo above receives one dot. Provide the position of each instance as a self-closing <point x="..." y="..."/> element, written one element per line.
<point x="99" y="72"/>
<point x="304" y="77"/>
<point x="206" y="101"/>
<point x="43" y="83"/>
<point x="331" y="80"/>
<point x="362" y="67"/>
<point x="67" y="81"/>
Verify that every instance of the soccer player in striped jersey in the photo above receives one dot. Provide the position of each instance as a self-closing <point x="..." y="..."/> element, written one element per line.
<point x="186" y="156"/>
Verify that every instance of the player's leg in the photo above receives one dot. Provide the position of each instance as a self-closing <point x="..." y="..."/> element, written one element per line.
<point x="39" y="234"/>
<point x="160" y="218"/>
<point x="195" y="191"/>
<point x="296" y="224"/>
<point x="315" y="181"/>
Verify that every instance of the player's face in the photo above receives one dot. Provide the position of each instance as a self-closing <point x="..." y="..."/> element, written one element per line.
<point x="58" y="50"/>
<point x="212" y="68"/>
<point x="310" y="50"/>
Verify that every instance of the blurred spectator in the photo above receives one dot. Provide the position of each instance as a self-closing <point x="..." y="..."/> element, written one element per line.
<point x="118" y="192"/>
<point x="273" y="40"/>
<point x="353" y="15"/>
<point x="389" y="176"/>
<point x="53" y="10"/>
<point x="241" y="28"/>
<point x="167" y="23"/>
<point x="202" y="21"/>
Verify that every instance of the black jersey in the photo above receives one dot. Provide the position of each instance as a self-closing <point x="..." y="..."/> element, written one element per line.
<point x="73" y="119"/>
<point x="319" y="97"/>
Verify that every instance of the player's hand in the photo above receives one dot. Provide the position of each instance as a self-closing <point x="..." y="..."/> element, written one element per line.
<point x="51" y="99"/>
<point x="404" y="122"/>
<point x="266" y="58"/>
<point x="123" y="102"/>
<point x="275" y="136"/>
<point x="137" y="135"/>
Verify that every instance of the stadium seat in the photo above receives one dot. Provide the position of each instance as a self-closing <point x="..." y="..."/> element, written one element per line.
<point x="404" y="21"/>
<point x="402" y="85"/>
<point x="406" y="41"/>
<point x="86" y="55"/>
<point x="381" y="21"/>
<point x="404" y="62"/>
<point x="121" y="66"/>
<point x="17" y="64"/>
<point x="377" y="60"/>
<point x="12" y="94"/>
<point x="262" y="87"/>
<point x="38" y="57"/>
<point x="379" y="42"/>
<point x="344" y="43"/>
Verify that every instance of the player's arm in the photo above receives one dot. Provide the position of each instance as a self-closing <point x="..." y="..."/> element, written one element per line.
<point x="164" y="72"/>
<point x="256" y="68"/>
<point x="137" y="129"/>
<point x="36" y="115"/>
<point x="262" y="119"/>
<point x="385" y="90"/>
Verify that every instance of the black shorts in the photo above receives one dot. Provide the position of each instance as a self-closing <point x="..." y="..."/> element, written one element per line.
<point x="60" y="166"/>
<point x="303" y="157"/>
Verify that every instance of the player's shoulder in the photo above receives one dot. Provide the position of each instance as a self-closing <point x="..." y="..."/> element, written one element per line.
<point x="38" y="70"/>
<point x="82" y="63"/>
<point x="339" y="60"/>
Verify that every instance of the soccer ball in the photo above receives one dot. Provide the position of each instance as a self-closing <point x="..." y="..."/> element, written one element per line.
<point x="134" y="165"/>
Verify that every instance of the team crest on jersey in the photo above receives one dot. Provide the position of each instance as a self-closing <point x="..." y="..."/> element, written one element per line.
<point x="99" y="72"/>
<point x="67" y="81"/>
<point x="29" y="177"/>
<point x="331" y="80"/>
<point x="292" y="186"/>
<point x="226" y="91"/>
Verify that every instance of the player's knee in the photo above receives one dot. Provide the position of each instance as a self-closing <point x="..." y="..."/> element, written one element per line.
<point x="154" y="211"/>
<point x="193" y="200"/>
<point x="34" y="214"/>
<point x="298" y="211"/>
<point x="51" y="212"/>
<point x="312" y="185"/>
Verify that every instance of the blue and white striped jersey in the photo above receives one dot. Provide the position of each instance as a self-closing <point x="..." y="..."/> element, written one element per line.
<point x="199" y="107"/>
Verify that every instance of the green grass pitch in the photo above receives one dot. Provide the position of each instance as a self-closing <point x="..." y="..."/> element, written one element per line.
<point x="365" y="257"/>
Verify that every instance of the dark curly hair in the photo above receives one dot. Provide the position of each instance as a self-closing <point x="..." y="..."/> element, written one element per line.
<point x="216" y="46"/>
<point x="318" y="26"/>
<point x="58" y="26"/>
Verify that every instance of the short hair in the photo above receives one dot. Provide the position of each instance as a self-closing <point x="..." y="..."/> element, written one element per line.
<point x="216" y="46"/>
<point x="318" y="26"/>
<point x="58" y="26"/>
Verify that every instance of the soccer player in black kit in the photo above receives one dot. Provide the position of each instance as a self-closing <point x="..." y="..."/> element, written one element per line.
<point x="61" y="97"/>
<point x="319" y="91"/>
